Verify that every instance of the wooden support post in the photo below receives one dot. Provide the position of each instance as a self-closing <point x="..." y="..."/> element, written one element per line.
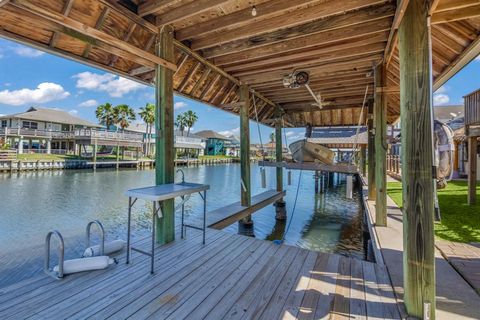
<point x="380" y="123"/>
<point x="472" y="170"/>
<point x="363" y="160"/>
<point x="246" y="196"/>
<point x="280" y="208"/>
<point x="417" y="160"/>
<point x="164" y="155"/>
<point x="278" y="147"/>
<point x="371" y="153"/>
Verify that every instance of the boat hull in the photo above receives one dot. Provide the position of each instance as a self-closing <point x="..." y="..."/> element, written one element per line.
<point x="303" y="151"/>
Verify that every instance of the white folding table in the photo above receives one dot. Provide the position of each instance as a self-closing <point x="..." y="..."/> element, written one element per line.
<point x="158" y="194"/>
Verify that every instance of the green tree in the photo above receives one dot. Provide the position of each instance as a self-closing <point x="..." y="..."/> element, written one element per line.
<point x="124" y="115"/>
<point x="190" y="119"/>
<point x="105" y="114"/>
<point x="181" y="122"/>
<point x="147" y="114"/>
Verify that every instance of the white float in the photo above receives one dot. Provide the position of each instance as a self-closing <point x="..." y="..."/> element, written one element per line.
<point x="349" y="187"/>
<point x="85" y="264"/>
<point x="110" y="247"/>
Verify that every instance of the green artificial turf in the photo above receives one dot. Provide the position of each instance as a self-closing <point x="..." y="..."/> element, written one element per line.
<point x="460" y="221"/>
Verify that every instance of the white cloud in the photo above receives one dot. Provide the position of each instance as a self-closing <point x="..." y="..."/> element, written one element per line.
<point x="179" y="104"/>
<point x="115" y="86"/>
<point x="1" y="114"/>
<point x="232" y="132"/>
<point x="478" y="58"/>
<point x="440" y="99"/>
<point x="27" y="52"/>
<point x="45" y="92"/>
<point x="73" y="112"/>
<point x="442" y="89"/>
<point x="290" y="133"/>
<point x="88" y="103"/>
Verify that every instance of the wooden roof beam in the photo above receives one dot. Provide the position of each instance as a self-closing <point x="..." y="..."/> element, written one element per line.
<point x="289" y="19"/>
<point x="66" y="11"/>
<point x="241" y="17"/>
<point x="154" y="6"/>
<point x="393" y="37"/>
<point x="98" y="25"/>
<point x="456" y="14"/>
<point x="87" y="32"/>
<point x="224" y="54"/>
<point x="187" y="10"/>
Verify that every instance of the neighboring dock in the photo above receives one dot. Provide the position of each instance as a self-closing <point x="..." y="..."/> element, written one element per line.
<point x="232" y="277"/>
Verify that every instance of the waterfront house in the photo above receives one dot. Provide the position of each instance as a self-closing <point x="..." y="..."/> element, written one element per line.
<point x="42" y="130"/>
<point x="215" y="143"/>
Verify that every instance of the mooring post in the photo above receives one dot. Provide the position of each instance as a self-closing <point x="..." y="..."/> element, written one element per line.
<point x="380" y="124"/>
<point x="417" y="160"/>
<point x="316" y="182"/>
<point x="245" y="226"/>
<point x="371" y="153"/>
<point x="280" y="212"/>
<point x="164" y="155"/>
<point x="95" y="155"/>
<point x="118" y="156"/>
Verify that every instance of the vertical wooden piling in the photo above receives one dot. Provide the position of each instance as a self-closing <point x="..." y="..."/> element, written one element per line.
<point x="380" y="124"/>
<point x="95" y="155"/>
<point x="278" y="147"/>
<point x="246" y="196"/>
<point x="164" y="155"/>
<point x="371" y="153"/>
<point x="118" y="156"/>
<point x="472" y="170"/>
<point x="417" y="159"/>
<point x="363" y="160"/>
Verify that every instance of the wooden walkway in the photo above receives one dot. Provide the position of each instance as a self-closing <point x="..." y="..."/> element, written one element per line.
<point x="225" y="216"/>
<point x="231" y="277"/>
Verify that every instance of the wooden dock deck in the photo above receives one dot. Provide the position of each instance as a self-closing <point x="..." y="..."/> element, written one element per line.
<point x="231" y="277"/>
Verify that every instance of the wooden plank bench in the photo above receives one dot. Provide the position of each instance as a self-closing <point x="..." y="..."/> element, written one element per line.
<point x="225" y="216"/>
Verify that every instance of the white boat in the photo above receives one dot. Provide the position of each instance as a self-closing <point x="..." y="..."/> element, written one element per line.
<point x="303" y="151"/>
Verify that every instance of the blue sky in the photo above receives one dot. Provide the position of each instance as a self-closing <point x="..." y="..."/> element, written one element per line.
<point x="31" y="78"/>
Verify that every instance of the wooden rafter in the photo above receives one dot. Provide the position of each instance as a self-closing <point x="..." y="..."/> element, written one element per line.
<point x="187" y="10"/>
<point x="85" y="32"/>
<point x="199" y="82"/>
<point x="188" y="76"/>
<point x="393" y="37"/>
<point x="126" y="38"/>
<point x="289" y="19"/>
<point x="153" y="6"/>
<point x="237" y="18"/>
<point x="98" y="25"/>
<point x="66" y="11"/>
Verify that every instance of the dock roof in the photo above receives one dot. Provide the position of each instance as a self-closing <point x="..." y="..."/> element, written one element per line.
<point x="221" y="44"/>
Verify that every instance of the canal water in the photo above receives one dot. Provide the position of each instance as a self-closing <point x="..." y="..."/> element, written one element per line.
<point x="33" y="203"/>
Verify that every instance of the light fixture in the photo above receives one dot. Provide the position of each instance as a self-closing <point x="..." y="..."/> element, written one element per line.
<point x="254" y="11"/>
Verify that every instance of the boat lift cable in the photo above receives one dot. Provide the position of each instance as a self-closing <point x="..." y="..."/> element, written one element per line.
<point x="355" y="144"/>
<point x="258" y="124"/>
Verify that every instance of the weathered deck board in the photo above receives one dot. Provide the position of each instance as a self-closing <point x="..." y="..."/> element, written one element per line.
<point x="231" y="277"/>
<point x="225" y="216"/>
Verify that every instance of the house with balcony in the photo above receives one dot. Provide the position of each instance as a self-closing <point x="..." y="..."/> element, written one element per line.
<point x="43" y="130"/>
<point x="47" y="130"/>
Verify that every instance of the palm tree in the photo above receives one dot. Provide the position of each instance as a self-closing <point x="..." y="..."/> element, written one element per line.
<point x="105" y="114"/>
<point x="180" y="123"/>
<point x="190" y="119"/>
<point x="147" y="114"/>
<point x="124" y="115"/>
